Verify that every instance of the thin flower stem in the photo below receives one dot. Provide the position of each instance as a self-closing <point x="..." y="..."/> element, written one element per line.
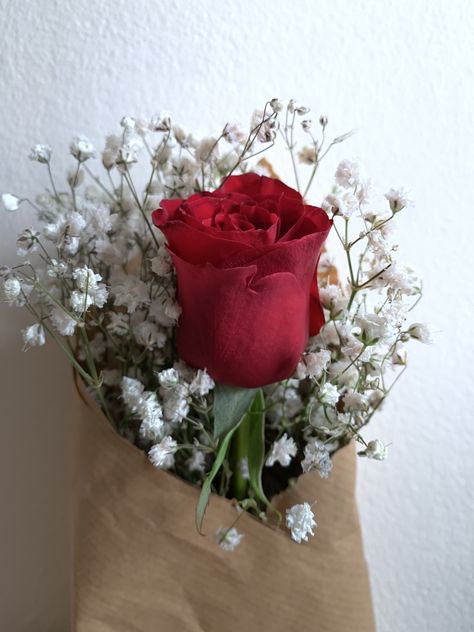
<point x="96" y="382"/>
<point x="142" y="211"/>
<point x="99" y="183"/>
<point x="51" y="179"/>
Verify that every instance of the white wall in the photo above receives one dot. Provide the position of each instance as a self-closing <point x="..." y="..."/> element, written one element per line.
<point x="402" y="73"/>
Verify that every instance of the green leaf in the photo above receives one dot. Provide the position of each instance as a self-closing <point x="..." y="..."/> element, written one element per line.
<point x="256" y="445"/>
<point x="230" y="405"/>
<point x="206" y="487"/>
<point x="255" y="419"/>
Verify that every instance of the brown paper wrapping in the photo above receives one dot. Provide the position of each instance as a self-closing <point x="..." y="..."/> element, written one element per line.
<point x="140" y="565"/>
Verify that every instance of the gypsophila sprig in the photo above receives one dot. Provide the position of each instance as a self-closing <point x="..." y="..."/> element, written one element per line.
<point x="100" y="282"/>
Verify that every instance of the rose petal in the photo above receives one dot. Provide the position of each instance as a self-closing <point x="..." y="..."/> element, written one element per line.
<point x="231" y="323"/>
<point x="258" y="187"/>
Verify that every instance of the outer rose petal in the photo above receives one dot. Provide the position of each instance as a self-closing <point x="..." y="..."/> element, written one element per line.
<point x="258" y="187"/>
<point x="316" y="312"/>
<point x="244" y="333"/>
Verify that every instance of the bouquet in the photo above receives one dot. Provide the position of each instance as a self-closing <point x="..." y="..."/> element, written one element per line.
<point x="199" y="308"/>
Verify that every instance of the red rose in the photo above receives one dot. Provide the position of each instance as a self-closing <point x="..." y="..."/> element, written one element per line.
<point x="245" y="258"/>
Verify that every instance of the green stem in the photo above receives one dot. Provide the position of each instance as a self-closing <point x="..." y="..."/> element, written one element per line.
<point x="239" y="451"/>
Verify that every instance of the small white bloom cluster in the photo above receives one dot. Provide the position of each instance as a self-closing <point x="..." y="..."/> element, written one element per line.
<point x="375" y="450"/>
<point x="301" y="522"/>
<point x="145" y="406"/>
<point x="99" y="273"/>
<point x="282" y="451"/>
<point x="162" y="453"/>
<point x="317" y="457"/>
<point x="228" y="539"/>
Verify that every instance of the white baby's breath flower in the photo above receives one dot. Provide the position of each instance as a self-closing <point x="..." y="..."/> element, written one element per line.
<point x="111" y="377"/>
<point x="316" y="457"/>
<point x="151" y="414"/>
<point x="343" y="372"/>
<point x="40" y="153"/>
<point x="101" y="220"/>
<point x="228" y="539"/>
<point x="234" y="134"/>
<point x="372" y="326"/>
<point x="301" y="110"/>
<point x="168" y="378"/>
<point x="118" y="324"/>
<point x="398" y="199"/>
<point x="11" y="290"/>
<point x="161" y="122"/>
<point x="128" y="153"/>
<point x="266" y="130"/>
<point x="365" y="192"/>
<point x="161" y="265"/>
<point x="98" y="347"/>
<point x="10" y="202"/>
<point x="282" y="451"/>
<point x="110" y="253"/>
<point x="347" y="174"/>
<point x="86" y="279"/>
<point x="376" y="450"/>
<point x="421" y="332"/>
<point x="202" y="383"/>
<point x="132" y="392"/>
<point x="340" y="202"/>
<point x="62" y="322"/>
<point x="308" y="155"/>
<point x="197" y="461"/>
<point x="328" y="394"/>
<point x="33" y="336"/>
<point x="148" y="335"/>
<point x="301" y="521"/>
<point x="128" y="123"/>
<point x="172" y="310"/>
<point x="81" y="148"/>
<point x="56" y="269"/>
<point x="313" y="364"/>
<point x="76" y="223"/>
<point x="175" y="403"/>
<point x="401" y="278"/>
<point x="90" y="291"/>
<point x="27" y="242"/>
<point x="162" y="454"/>
<point x="206" y="149"/>
<point x="67" y="243"/>
<point x="276" y="105"/>
<point x="377" y="244"/>
<point x="355" y="401"/>
<point x="182" y="136"/>
<point x="131" y="292"/>
<point x="111" y="150"/>
<point x="330" y="294"/>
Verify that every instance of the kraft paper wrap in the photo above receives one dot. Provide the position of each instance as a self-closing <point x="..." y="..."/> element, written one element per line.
<point x="140" y="565"/>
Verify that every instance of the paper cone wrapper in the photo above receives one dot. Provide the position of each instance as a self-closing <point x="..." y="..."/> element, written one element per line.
<point x="140" y="565"/>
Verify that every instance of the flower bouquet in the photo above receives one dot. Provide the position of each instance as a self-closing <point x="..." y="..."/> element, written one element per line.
<point x="221" y="377"/>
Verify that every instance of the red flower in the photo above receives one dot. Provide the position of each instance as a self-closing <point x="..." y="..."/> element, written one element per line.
<point x="245" y="258"/>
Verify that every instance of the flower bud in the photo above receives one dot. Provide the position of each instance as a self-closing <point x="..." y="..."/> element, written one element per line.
<point x="10" y="202"/>
<point x="323" y="120"/>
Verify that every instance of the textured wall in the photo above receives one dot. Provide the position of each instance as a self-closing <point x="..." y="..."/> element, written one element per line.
<point x="401" y="72"/>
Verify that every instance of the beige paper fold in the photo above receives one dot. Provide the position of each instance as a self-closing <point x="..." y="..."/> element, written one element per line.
<point x="140" y="565"/>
